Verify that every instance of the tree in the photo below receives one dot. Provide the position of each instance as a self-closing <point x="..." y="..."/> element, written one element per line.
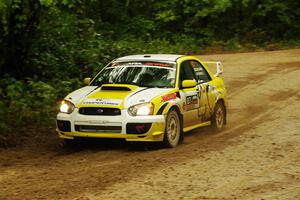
<point x="19" y="20"/>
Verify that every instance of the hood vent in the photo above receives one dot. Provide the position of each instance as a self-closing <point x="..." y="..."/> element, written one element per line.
<point x="115" y="88"/>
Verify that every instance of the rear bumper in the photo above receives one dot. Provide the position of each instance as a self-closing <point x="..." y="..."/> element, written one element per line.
<point x="154" y="133"/>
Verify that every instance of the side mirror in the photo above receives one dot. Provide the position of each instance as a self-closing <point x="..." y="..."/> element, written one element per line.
<point x="189" y="83"/>
<point x="87" y="81"/>
<point x="219" y="69"/>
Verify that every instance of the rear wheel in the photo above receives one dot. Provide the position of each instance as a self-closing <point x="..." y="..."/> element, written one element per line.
<point x="173" y="130"/>
<point x="219" y="117"/>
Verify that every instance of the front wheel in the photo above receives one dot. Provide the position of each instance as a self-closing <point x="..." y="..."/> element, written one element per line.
<point x="219" y="117"/>
<point x="173" y="130"/>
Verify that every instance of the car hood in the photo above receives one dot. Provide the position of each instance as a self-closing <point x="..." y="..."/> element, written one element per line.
<point x="114" y="95"/>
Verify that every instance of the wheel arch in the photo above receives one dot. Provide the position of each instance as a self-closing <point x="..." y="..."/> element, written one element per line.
<point x="180" y="115"/>
<point x="176" y="108"/>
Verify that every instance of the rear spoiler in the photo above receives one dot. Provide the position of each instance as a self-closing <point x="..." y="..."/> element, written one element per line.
<point x="218" y="66"/>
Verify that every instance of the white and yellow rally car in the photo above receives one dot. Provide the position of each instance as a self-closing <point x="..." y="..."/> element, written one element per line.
<point x="152" y="98"/>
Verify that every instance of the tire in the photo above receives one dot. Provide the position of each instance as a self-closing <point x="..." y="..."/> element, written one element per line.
<point x="218" y="119"/>
<point x="172" y="134"/>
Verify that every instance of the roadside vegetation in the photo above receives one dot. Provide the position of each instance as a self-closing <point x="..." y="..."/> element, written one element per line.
<point x="48" y="46"/>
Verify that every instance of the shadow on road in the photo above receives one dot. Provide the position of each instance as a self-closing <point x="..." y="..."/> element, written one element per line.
<point x="98" y="144"/>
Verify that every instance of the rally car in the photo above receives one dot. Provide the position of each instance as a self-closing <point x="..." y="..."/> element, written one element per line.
<point x="149" y="98"/>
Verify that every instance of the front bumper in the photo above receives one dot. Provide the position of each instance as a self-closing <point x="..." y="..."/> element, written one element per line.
<point x="153" y="134"/>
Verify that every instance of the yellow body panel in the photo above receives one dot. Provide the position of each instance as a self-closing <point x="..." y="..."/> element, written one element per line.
<point x="189" y="128"/>
<point x="111" y="95"/>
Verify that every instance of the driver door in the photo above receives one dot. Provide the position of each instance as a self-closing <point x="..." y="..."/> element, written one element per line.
<point x="189" y="96"/>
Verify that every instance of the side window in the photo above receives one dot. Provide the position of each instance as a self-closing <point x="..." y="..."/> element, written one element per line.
<point x="186" y="71"/>
<point x="201" y="74"/>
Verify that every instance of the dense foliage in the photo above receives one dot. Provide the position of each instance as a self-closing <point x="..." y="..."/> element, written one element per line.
<point x="48" y="46"/>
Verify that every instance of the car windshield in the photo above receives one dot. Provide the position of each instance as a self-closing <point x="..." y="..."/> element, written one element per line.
<point x="143" y="74"/>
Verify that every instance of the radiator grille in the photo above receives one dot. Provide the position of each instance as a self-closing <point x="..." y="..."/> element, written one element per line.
<point x="99" y="111"/>
<point x="98" y="129"/>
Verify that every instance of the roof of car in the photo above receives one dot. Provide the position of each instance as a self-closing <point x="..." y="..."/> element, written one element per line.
<point x="152" y="57"/>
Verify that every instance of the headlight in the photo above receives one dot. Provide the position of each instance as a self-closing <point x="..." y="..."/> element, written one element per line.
<point x="66" y="107"/>
<point x="141" y="109"/>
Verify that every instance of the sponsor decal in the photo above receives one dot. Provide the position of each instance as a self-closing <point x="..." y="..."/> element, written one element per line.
<point x="192" y="102"/>
<point x="101" y="101"/>
<point x="158" y="64"/>
<point x="151" y="64"/>
<point x="169" y="97"/>
<point x="125" y="63"/>
<point x="192" y="99"/>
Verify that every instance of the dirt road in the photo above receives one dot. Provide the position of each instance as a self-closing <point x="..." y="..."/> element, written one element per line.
<point x="256" y="157"/>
